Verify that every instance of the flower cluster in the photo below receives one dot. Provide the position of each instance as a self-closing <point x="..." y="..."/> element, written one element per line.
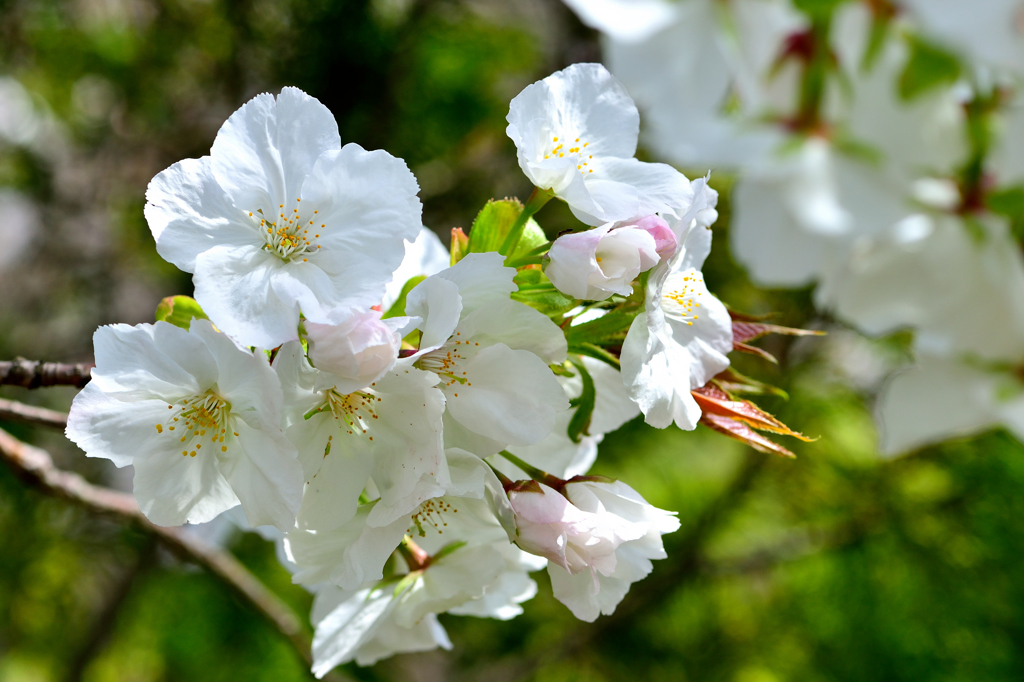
<point x="877" y="148"/>
<point x="417" y="423"/>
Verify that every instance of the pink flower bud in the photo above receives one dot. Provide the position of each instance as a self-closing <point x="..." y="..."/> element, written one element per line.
<point x="361" y="349"/>
<point x="551" y="526"/>
<point x="595" y="264"/>
<point x="665" y="242"/>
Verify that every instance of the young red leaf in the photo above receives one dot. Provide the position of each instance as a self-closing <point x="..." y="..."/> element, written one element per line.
<point x="739" y="431"/>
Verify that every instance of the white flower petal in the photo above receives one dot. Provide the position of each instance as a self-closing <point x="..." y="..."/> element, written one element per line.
<point x="188" y="213"/>
<point x="511" y="396"/>
<point x="173" y="489"/>
<point x="660" y="187"/>
<point x="236" y="288"/>
<point x="518" y="326"/>
<point x="481" y="278"/>
<point x="151" y="361"/>
<point x="437" y="302"/>
<point x="265" y="475"/>
<point x="264" y="150"/>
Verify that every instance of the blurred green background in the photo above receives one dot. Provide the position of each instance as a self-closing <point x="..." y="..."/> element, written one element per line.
<point x="835" y="566"/>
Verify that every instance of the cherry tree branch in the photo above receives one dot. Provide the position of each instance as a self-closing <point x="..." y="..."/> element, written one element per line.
<point x="35" y="374"/>
<point x="11" y="410"/>
<point x="35" y="466"/>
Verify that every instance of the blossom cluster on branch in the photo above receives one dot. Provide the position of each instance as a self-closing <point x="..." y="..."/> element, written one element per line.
<point x="878" y="150"/>
<point x="416" y="422"/>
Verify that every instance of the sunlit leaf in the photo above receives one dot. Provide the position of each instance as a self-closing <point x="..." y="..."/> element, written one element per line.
<point x="179" y="311"/>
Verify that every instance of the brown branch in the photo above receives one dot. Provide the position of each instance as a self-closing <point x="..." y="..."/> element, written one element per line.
<point x="13" y="411"/>
<point x="35" y="466"/>
<point x="34" y="374"/>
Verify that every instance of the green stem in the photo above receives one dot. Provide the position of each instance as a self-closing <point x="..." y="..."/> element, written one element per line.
<point x="530" y="257"/>
<point x="414" y="556"/>
<point x="505" y="481"/>
<point x="533" y="472"/>
<point x="596" y="352"/>
<point x="537" y="199"/>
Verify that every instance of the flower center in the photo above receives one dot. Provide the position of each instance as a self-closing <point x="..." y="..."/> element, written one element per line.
<point x="447" y="360"/>
<point x="576" y="150"/>
<point x="680" y="295"/>
<point x="431" y="513"/>
<point x="201" y="420"/>
<point x="290" y="233"/>
<point x="355" y="410"/>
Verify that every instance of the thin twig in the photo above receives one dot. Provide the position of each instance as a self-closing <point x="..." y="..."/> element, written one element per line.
<point x="36" y="467"/>
<point x="11" y="410"/>
<point x="34" y="374"/>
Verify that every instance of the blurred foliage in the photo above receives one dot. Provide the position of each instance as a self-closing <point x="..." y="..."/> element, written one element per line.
<point x="835" y="566"/>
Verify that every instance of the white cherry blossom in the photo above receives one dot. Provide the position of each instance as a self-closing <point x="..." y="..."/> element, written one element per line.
<point x="557" y="454"/>
<point x="280" y="217"/>
<point x="387" y="432"/>
<point x="681" y="339"/>
<point x="491" y="354"/>
<point x="599" y="590"/>
<point x="988" y="32"/>
<point x="199" y="419"/>
<point x="576" y="134"/>
<point x="550" y="526"/>
<point x="355" y="552"/>
<point x="939" y="398"/>
<point x="711" y="53"/>
<point x="400" y="615"/>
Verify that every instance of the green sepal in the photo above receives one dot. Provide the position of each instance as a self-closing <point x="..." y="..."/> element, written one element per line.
<point x="179" y="311"/>
<point x="537" y="291"/>
<point x="732" y="381"/>
<point x="579" y="424"/>
<point x="406" y="582"/>
<point x="397" y="308"/>
<point x="446" y="550"/>
<point x="492" y="225"/>
<point x="610" y="328"/>
<point x="930" y="66"/>
<point x="562" y="370"/>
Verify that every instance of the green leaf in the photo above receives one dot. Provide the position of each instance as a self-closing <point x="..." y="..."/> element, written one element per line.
<point x="492" y="226"/>
<point x="594" y="351"/>
<point x="545" y="299"/>
<point x="397" y="308"/>
<point x="579" y="424"/>
<point x="929" y="67"/>
<point x="817" y="8"/>
<point x="537" y="291"/>
<point x="607" y="329"/>
<point x="1008" y="202"/>
<point x="179" y="311"/>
